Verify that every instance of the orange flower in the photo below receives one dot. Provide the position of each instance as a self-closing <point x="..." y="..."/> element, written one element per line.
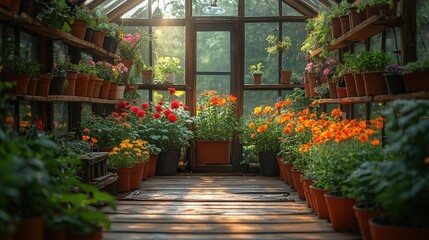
<point x="368" y="131"/>
<point x="126" y="125"/>
<point x="322" y="116"/>
<point x="287" y="102"/>
<point x="221" y="102"/>
<point x="262" y="128"/>
<point x="267" y="110"/>
<point x="124" y="114"/>
<point x="375" y="142"/>
<point x="251" y="125"/>
<point x="312" y="115"/>
<point x="232" y="98"/>
<point x="202" y="108"/>
<point x="336" y="113"/>
<point x="363" y="138"/>
<point x="279" y="105"/>
<point x="305" y="147"/>
<point x="257" y="110"/>
<point x="299" y="128"/>
<point x="253" y="135"/>
<point x="85" y="138"/>
<point x="287" y="130"/>
<point x="86" y="130"/>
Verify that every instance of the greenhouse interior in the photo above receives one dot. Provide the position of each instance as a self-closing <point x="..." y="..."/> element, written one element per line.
<point x="214" y="119"/>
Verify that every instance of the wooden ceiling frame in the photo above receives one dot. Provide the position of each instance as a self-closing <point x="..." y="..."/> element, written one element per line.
<point x="95" y="4"/>
<point x="326" y="3"/>
<point x="122" y="9"/>
<point x="300" y="8"/>
<point x="307" y="6"/>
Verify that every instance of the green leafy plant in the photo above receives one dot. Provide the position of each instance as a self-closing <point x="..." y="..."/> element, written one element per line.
<point x="256" y="68"/>
<point x="55" y="13"/>
<point x="277" y="46"/>
<point x="215" y="118"/>
<point x="421" y="65"/>
<point x="339" y="9"/>
<point x="23" y="66"/>
<point x="165" y="66"/>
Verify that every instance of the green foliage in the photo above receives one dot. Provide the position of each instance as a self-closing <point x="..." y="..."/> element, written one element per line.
<point x="421" y="65"/>
<point x="23" y="66"/>
<point x="277" y="46"/>
<point x="55" y="13"/>
<point x="338" y="10"/>
<point x="256" y="68"/>
<point x="215" y="118"/>
<point x="318" y="29"/>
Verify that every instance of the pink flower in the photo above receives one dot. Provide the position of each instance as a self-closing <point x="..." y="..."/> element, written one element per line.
<point x="127" y="102"/>
<point x="134" y="100"/>
<point x="160" y="103"/>
<point x="172" y="118"/>
<point x="121" y="104"/>
<point x="326" y="71"/>
<point x="186" y="107"/>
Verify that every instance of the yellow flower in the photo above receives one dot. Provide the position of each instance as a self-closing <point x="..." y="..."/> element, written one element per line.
<point x="267" y="110"/>
<point x="257" y="110"/>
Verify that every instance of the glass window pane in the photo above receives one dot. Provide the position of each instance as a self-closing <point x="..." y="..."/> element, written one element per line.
<point x="135" y="77"/>
<point x="359" y="111"/>
<point x="169" y="41"/>
<point x="60" y="51"/>
<point x="168" y="9"/>
<point x="143" y="95"/>
<point x="258" y="8"/>
<point x="422" y="27"/>
<point x="375" y="42"/>
<point x="254" y="51"/>
<point x="61" y="115"/>
<point x="164" y="96"/>
<point x="213" y="51"/>
<point x="221" y="84"/>
<point x="86" y="113"/>
<point x="141" y="11"/>
<point x="294" y="58"/>
<point x="315" y="4"/>
<point x="28" y="46"/>
<point x="289" y="11"/>
<point x="254" y="98"/>
<point x="393" y="43"/>
<point x="109" y="5"/>
<point x="224" y="8"/>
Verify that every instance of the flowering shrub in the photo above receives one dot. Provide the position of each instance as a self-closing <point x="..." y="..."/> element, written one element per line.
<point x="215" y="118"/>
<point x="128" y="153"/>
<point x="130" y="45"/>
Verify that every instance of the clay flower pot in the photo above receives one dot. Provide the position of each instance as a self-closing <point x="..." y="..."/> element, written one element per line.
<point x="363" y="215"/>
<point x="322" y="208"/>
<point x="341" y="212"/>
<point x="382" y="231"/>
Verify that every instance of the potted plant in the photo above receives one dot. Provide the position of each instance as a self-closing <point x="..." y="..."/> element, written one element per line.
<point x="56" y="14"/>
<point x="80" y="22"/>
<point x="394" y="79"/>
<point x="256" y="72"/>
<point x="19" y="71"/>
<point x="277" y="47"/>
<point x="385" y="7"/>
<point x="113" y="35"/>
<point x="145" y="70"/>
<point x="336" y="11"/>
<point x="71" y="70"/>
<point x="98" y="23"/>
<point x="59" y="81"/>
<point x="405" y="214"/>
<point x="129" y="48"/>
<point x="166" y="69"/>
<point x="416" y="73"/>
<point x="215" y="124"/>
<point x="373" y="63"/>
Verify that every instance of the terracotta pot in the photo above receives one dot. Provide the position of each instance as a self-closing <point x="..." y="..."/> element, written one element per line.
<point x="90" y="87"/>
<point x="213" y="152"/>
<point x="60" y="234"/>
<point x="147" y="76"/>
<point x="345" y="24"/>
<point x="285" y="76"/>
<point x="146" y="169"/>
<point x="88" y="34"/>
<point x="341" y="92"/>
<point x="360" y="84"/>
<point x="5" y="3"/>
<point x="30" y="228"/>
<point x="385" y="10"/>
<point x="105" y="89"/>
<point x="57" y="85"/>
<point x="371" y="11"/>
<point x="108" y="43"/>
<point x="280" y="163"/>
<point x="354" y="17"/>
<point x="307" y="89"/>
<point x="257" y="78"/>
<point x="70" y="89"/>
<point x="350" y="85"/>
<point x="268" y="164"/>
<point x="289" y="175"/>
<point x="15" y="5"/>
<point x="20" y="82"/>
<point x="136" y="176"/>
<point x="363" y="215"/>
<point x="167" y="162"/>
<point x="97" y="235"/>
<point x="120" y="92"/>
<point x="313" y="200"/>
<point x="415" y="82"/>
<point x="97" y="38"/>
<point x="336" y="27"/>
<point x="152" y="165"/>
<point x="322" y="208"/>
<point x="78" y="28"/>
<point x="124" y="175"/>
<point x="81" y="87"/>
<point x="113" y="91"/>
<point x="43" y="85"/>
<point x="282" y="168"/>
<point x="381" y="231"/>
<point x="341" y="213"/>
<point x="97" y="87"/>
<point x="312" y="83"/>
<point x="395" y="83"/>
<point x="306" y="183"/>
<point x="298" y="185"/>
<point x="332" y="88"/>
<point x="129" y="64"/>
<point x="375" y="84"/>
<point x="31" y="88"/>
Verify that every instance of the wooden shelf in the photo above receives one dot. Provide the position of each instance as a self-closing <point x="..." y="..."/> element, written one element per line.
<point x="161" y="87"/>
<point x="64" y="98"/>
<point x="378" y="98"/>
<point x="40" y="28"/>
<point x="365" y="30"/>
<point x="272" y="86"/>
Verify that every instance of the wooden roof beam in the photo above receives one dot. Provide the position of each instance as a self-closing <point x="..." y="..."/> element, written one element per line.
<point x="122" y="9"/>
<point x="95" y="3"/>
<point x="300" y="8"/>
<point x="305" y="5"/>
<point x="326" y="3"/>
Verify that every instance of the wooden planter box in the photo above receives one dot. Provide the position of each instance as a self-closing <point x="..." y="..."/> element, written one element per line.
<point x="94" y="171"/>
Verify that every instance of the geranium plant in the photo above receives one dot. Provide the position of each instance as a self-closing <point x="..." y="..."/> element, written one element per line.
<point x="130" y="45"/>
<point x="216" y="119"/>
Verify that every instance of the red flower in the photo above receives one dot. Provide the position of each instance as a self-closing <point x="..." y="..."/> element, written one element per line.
<point x="172" y="118"/>
<point x="39" y="125"/>
<point x="135" y="100"/>
<point x="175" y="105"/>
<point x="121" y="104"/>
<point x="167" y="112"/>
<point x="127" y="103"/>
<point x="160" y="102"/>
<point x="145" y="105"/>
<point x="134" y="109"/>
<point x="127" y="107"/>
<point x="115" y="114"/>
<point x="172" y="90"/>
<point x="131" y="88"/>
<point x="140" y="113"/>
<point x="186" y="107"/>
<point x="158" y="108"/>
<point x="156" y="115"/>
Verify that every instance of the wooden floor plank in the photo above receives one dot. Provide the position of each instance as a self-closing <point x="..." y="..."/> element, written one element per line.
<point x="216" y="207"/>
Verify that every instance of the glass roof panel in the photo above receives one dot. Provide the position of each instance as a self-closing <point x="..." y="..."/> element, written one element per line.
<point x="316" y="4"/>
<point x="168" y="9"/>
<point x="290" y="11"/>
<point x="141" y="11"/>
<point x="107" y="6"/>
<point x="257" y="8"/>
<point x="204" y="8"/>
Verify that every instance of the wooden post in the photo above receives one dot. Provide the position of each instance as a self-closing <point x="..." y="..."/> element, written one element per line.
<point x="408" y="31"/>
